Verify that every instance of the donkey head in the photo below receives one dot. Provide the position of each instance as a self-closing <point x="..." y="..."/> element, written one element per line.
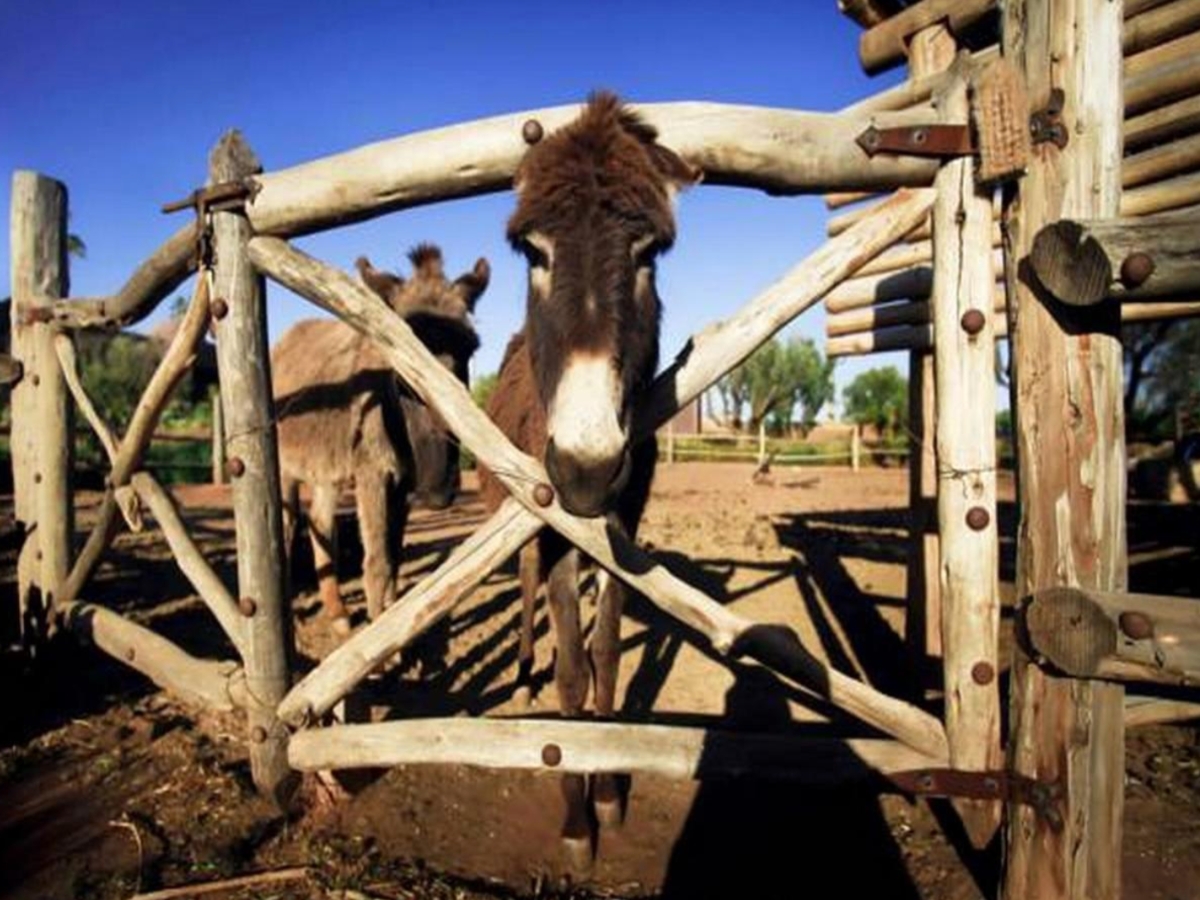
<point x="594" y="211"/>
<point x="439" y="313"/>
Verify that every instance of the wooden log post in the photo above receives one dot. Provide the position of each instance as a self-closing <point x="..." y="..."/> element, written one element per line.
<point x="1070" y="446"/>
<point x="244" y="367"/>
<point x="931" y="50"/>
<point x="42" y="434"/>
<point x="965" y="427"/>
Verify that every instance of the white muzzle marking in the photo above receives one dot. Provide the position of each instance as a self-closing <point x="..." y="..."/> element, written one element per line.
<point x="582" y="419"/>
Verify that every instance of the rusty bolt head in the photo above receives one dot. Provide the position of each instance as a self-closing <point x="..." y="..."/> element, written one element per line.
<point x="532" y="131"/>
<point x="982" y="672"/>
<point x="543" y="494"/>
<point x="973" y="321"/>
<point x="247" y="606"/>
<point x="235" y="467"/>
<point x="978" y="518"/>
<point x="1136" y="268"/>
<point x="1136" y="626"/>
<point x="552" y="755"/>
<point x="258" y="734"/>
<point x="220" y="309"/>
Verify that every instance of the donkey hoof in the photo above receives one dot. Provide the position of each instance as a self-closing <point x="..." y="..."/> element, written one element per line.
<point x="578" y="853"/>
<point x="608" y="813"/>
<point x="341" y="626"/>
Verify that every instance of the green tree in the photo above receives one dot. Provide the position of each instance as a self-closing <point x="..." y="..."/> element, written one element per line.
<point x="878" y="397"/>
<point x="1161" y="360"/>
<point x="482" y="388"/>
<point x="777" y="378"/>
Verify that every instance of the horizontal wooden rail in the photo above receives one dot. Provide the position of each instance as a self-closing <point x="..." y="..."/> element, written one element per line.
<point x="886" y="44"/>
<point x="773" y="645"/>
<point x="585" y="747"/>
<point x="779" y="151"/>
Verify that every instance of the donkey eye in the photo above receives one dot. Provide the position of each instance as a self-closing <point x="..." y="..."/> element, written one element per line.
<point x="644" y="251"/>
<point x="536" y="251"/>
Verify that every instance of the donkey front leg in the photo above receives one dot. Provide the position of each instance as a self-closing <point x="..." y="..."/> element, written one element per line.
<point x="530" y="565"/>
<point x="381" y="521"/>
<point x="322" y="526"/>
<point x="571" y="681"/>
<point x="606" y="660"/>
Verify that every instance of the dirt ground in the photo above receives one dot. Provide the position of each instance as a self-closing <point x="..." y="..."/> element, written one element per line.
<point x="108" y="787"/>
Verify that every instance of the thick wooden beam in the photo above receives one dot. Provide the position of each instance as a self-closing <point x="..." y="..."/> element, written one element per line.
<point x="210" y="684"/>
<point x="152" y="282"/>
<point x="1113" y="635"/>
<point x="1087" y="262"/>
<point x="1160" y="25"/>
<point x="868" y="12"/>
<point x="1173" y="193"/>
<point x="1070" y="447"/>
<point x="1163" y="124"/>
<point x="1158" y="711"/>
<point x="1170" y="78"/>
<point x="962" y="307"/>
<point x="779" y="151"/>
<point x="886" y="44"/>
<point x="245" y="373"/>
<point x="1161" y="162"/>
<point x="42" y="443"/>
<point x="586" y="747"/>
<point x="775" y="646"/>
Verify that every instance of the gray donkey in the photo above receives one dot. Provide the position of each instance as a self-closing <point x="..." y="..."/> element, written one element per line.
<point x="344" y="418"/>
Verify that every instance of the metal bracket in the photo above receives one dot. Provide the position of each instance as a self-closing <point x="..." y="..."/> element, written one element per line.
<point x="940" y="141"/>
<point x="224" y="196"/>
<point x="1046" y="125"/>
<point x="1043" y="796"/>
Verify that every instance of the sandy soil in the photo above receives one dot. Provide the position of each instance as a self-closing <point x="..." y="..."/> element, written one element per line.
<point x="107" y="785"/>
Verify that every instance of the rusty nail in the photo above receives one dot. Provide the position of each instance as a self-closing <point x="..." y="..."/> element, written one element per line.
<point x="37" y="477"/>
<point x="130" y="654"/>
<point x="258" y="734"/>
<point x="235" y="467"/>
<point x="1136" y="626"/>
<point x="991" y="784"/>
<point x="982" y="672"/>
<point x="973" y="321"/>
<point x="925" y="782"/>
<point x="220" y="308"/>
<point x="247" y="606"/>
<point x="552" y="755"/>
<point x="35" y="379"/>
<point x="543" y="494"/>
<point x="978" y="518"/>
<point x="1136" y="268"/>
<point x="38" y="556"/>
<point x="531" y="131"/>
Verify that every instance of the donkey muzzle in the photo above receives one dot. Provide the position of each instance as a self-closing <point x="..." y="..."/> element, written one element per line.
<point x="587" y="488"/>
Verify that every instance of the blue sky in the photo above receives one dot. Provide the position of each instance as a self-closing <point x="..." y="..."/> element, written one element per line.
<point x="123" y="100"/>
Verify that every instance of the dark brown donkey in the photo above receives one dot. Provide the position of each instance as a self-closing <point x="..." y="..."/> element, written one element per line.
<point x="344" y="417"/>
<point x="594" y="211"/>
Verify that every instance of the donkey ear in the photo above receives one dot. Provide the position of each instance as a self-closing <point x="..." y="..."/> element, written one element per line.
<point x="475" y="282"/>
<point x="382" y="283"/>
<point x="679" y="172"/>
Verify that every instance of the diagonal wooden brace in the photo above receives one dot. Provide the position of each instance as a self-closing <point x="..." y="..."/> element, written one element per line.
<point x="773" y="645"/>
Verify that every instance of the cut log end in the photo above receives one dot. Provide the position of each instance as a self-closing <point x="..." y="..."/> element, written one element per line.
<point x="1070" y="632"/>
<point x="1071" y="265"/>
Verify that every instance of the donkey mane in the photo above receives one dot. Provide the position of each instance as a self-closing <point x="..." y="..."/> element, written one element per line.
<point x="607" y="159"/>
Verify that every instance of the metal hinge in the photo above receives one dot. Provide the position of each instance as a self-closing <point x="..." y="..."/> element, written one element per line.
<point x="1043" y="796"/>
<point x="1046" y="125"/>
<point x="940" y="141"/>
